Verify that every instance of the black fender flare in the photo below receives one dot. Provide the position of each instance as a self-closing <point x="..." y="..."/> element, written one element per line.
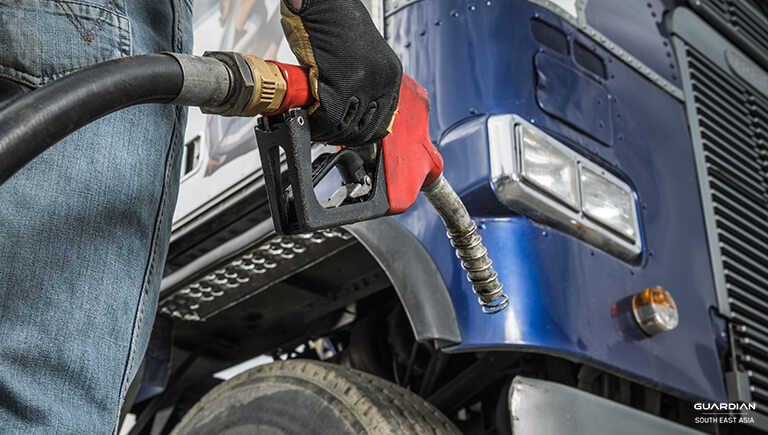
<point x="415" y="277"/>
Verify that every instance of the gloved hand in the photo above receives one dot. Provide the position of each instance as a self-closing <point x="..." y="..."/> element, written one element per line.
<point x="354" y="74"/>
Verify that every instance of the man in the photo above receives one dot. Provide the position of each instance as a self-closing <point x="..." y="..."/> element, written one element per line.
<point x="84" y="228"/>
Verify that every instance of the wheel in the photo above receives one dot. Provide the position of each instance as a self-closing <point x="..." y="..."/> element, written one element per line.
<point x="304" y="396"/>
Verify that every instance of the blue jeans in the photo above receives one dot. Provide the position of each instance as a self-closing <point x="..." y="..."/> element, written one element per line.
<point x="84" y="228"/>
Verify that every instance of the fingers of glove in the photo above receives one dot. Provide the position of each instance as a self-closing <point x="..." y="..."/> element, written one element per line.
<point x="353" y="105"/>
<point x="381" y="129"/>
<point x="368" y="115"/>
<point x="354" y="109"/>
<point x="350" y="131"/>
<point x="359" y="124"/>
<point x="338" y="120"/>
<point x="356" y="123"/>
<point x="324" y="130"/>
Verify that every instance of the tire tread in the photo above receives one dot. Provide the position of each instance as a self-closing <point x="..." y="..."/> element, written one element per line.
<point x="380" y="406"/>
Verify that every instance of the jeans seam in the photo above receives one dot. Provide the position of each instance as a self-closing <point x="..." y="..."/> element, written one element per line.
<point x="87" y="37"/>
<point x="170" y="155"/>
<point x="126" y="49"/>
<point x="177" y="35"/>
<point x="160" y="219"/>
<point x="129" y="48"/>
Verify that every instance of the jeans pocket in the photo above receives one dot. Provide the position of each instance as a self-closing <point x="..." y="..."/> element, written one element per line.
<point x="43" y="40"/>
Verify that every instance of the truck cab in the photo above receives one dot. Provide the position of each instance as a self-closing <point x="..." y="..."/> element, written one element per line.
<point x="606" y="150"/>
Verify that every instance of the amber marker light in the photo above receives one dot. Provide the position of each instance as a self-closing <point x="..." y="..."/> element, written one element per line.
<point x="655" y="310"/>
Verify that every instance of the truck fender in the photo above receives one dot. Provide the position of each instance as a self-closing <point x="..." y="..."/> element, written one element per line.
<point x="415" y="277"/>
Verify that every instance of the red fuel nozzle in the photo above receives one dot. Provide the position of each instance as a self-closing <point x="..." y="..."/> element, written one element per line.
<point x="410" y="159"/>
<point x="411" y="164"/>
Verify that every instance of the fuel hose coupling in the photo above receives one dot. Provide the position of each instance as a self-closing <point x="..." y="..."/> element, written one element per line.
<point x="257" y="86"/>
<point x="462" y="232"/>
<point x="235" y="84"/>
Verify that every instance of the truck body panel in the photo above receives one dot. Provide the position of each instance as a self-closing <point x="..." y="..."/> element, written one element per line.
<point x="562" y="290"/>
<point x="611" y="81"/>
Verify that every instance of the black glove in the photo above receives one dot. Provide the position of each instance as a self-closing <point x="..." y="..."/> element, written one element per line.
<point x="354" y="74"/>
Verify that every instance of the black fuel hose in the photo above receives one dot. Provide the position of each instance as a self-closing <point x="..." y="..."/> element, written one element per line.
<point x="46" y="115"/>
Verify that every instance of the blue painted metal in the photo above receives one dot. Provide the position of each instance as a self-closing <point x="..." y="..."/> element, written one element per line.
<point x="638" y="24"/>
<point x="477" y="58"/>
<point x="574" y="98"/>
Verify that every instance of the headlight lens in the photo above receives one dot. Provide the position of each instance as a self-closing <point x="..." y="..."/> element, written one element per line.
<point x="608" y="203"/>
<point x="548" y="168"/>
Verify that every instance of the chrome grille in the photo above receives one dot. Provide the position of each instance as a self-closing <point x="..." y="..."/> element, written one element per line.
<point x="732" y="120"/>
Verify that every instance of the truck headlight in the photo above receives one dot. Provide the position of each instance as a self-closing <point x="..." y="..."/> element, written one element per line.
<point x="545" y="166"/>
<point x="541" y="178"/>
<point x="608" y="202"/>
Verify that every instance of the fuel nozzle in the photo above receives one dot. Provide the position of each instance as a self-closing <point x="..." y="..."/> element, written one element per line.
<point x="234" y="84"/>
<point x="406" y="163"/>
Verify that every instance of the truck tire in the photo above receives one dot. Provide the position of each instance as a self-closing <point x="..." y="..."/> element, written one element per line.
<point x="304" y="396"/>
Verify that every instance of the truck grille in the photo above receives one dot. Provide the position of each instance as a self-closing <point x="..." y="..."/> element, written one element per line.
<point x="733" y="128"/>
<point x="742" y="21"/>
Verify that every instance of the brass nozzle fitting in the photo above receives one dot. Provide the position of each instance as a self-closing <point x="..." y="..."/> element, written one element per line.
<point x="256" y="86"/>
<point x="269" y="89"/>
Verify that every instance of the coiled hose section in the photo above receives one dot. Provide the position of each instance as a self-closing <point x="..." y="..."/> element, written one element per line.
<point x="469" y="245"/>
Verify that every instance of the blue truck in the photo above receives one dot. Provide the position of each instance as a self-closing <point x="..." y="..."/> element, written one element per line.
<point x="605" y="149"/>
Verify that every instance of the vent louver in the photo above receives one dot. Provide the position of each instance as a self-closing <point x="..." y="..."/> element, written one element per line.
<point x="745" y="23"/>
<point x="732" y="123"/>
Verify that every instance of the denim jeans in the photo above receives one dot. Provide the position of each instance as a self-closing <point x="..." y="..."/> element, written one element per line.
<point x="84" y="228"/>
